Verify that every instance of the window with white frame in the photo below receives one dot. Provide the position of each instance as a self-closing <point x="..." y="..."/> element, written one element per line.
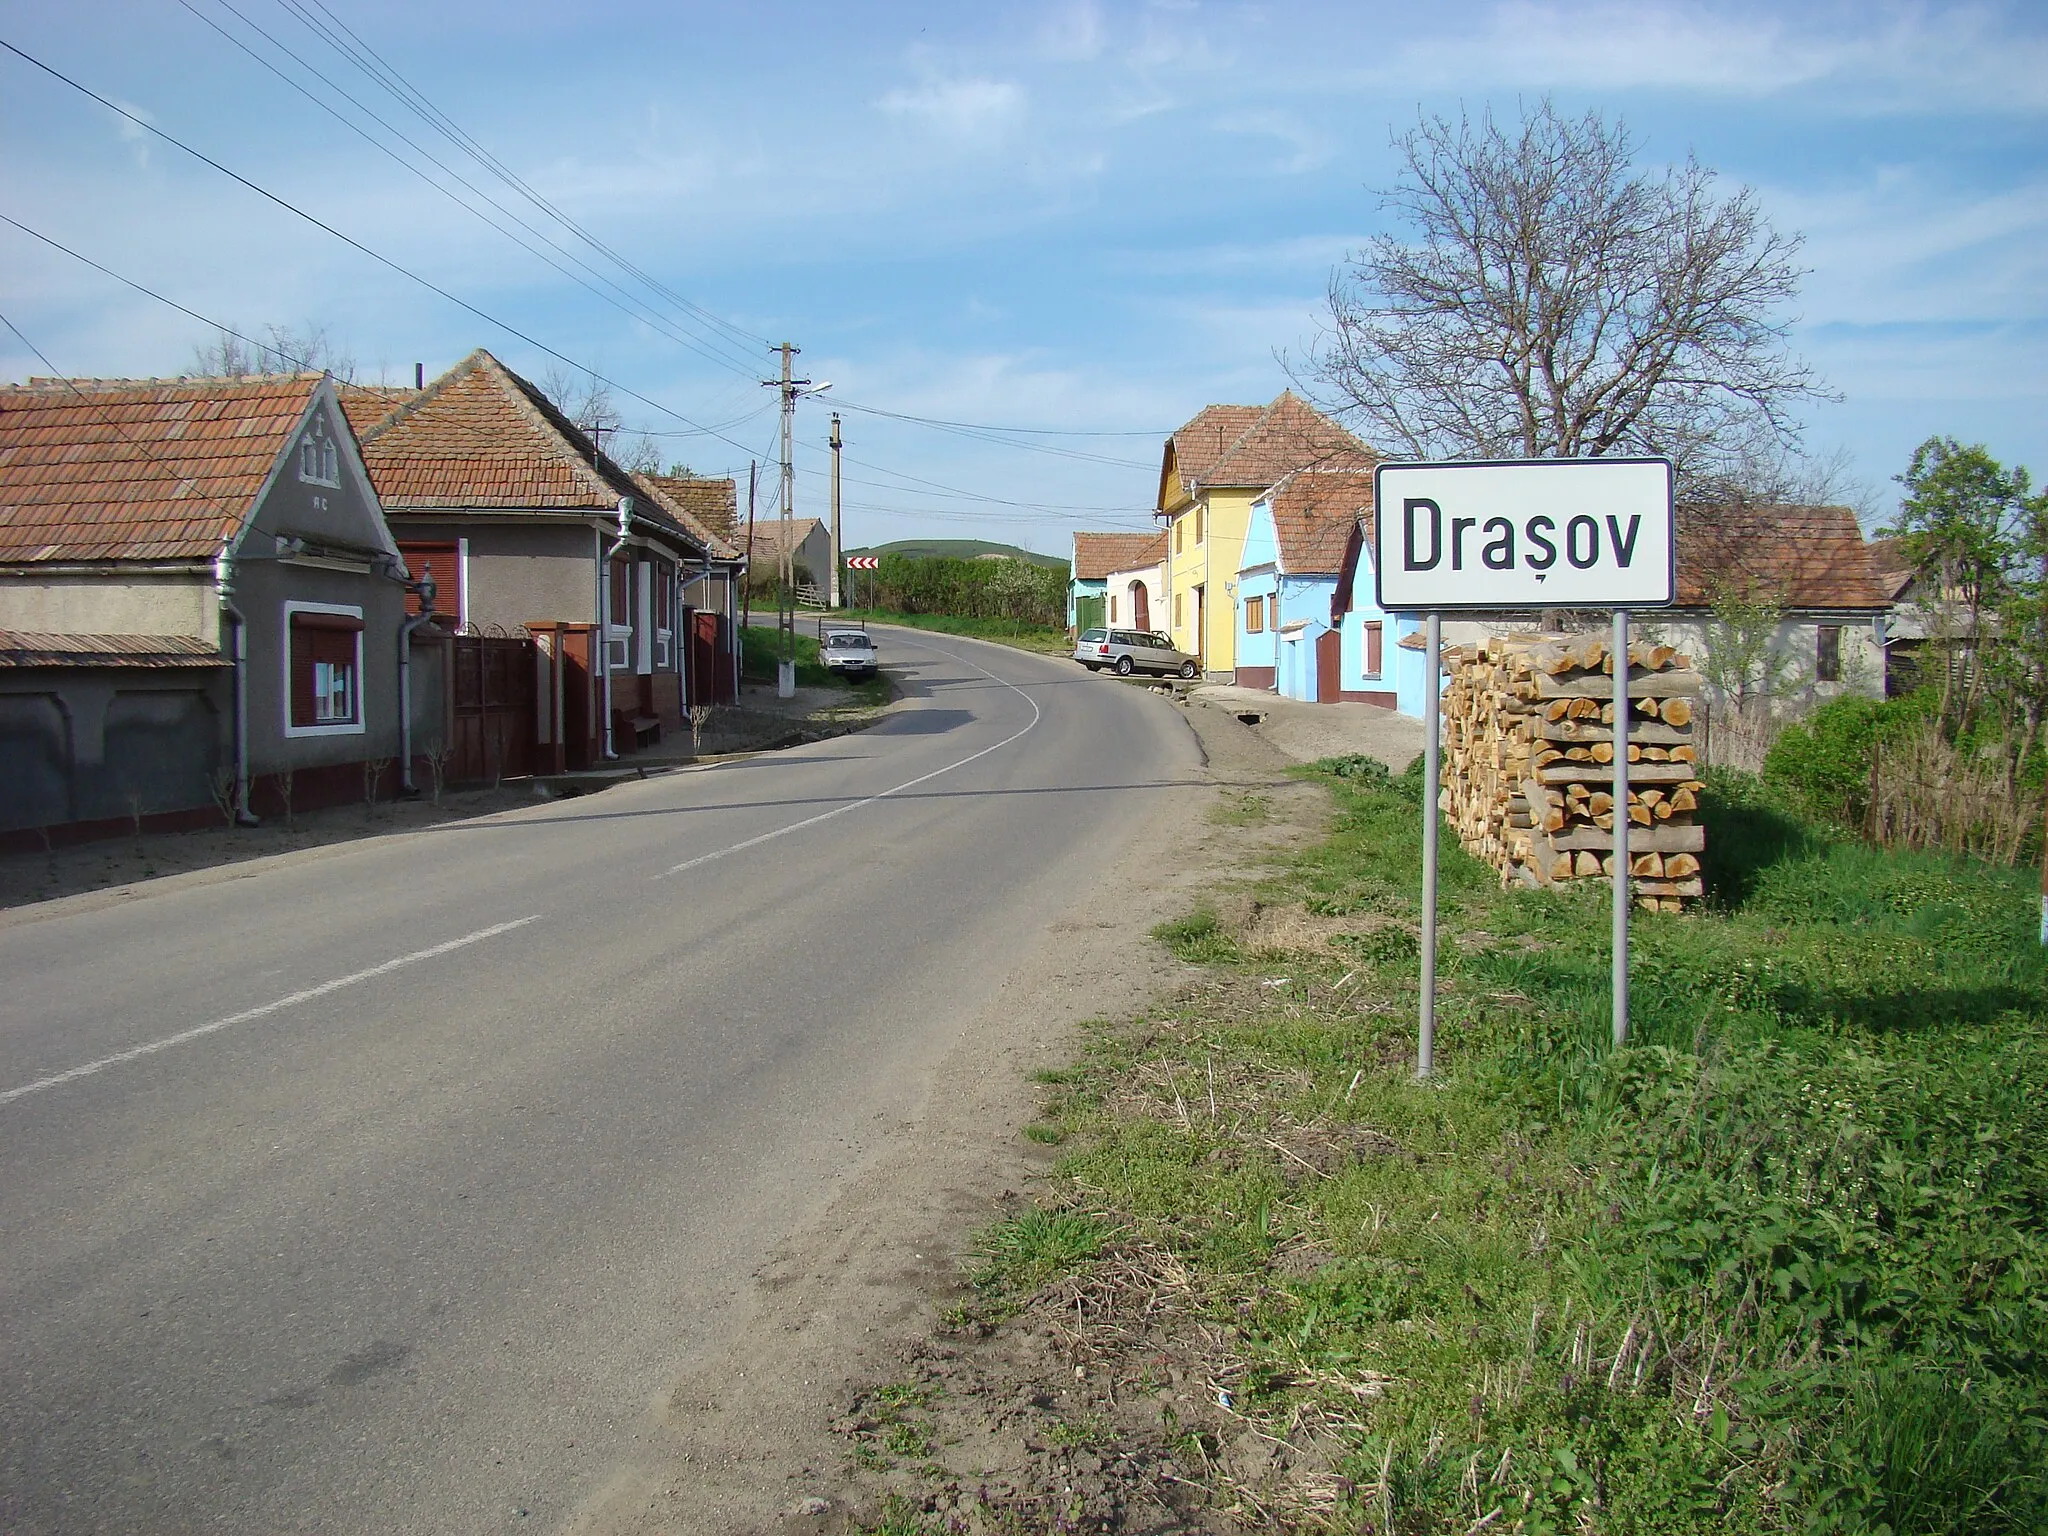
<point x="619" y="616"/>
<point x="323" y="670"/>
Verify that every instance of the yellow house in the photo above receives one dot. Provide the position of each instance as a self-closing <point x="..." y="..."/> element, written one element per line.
<point x="1212" y="471"/>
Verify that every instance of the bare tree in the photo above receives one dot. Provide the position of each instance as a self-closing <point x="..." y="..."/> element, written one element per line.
<point x="310" y="349"/>
<point x="1553" y="301"/>
<point x="587" y="401"/>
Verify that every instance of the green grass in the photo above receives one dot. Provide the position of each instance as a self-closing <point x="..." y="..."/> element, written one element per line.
<point x="1779" y="1265"/>
<point x="1027" y="637"/>
<point x="761" y="648"/>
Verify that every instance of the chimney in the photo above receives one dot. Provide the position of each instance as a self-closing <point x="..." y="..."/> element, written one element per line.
<point x="419" y="375"/>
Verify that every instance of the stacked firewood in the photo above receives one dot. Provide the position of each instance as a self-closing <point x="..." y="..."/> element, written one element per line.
<point x="1528" y="762"/>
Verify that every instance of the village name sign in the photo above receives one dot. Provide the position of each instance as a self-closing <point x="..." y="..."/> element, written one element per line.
<point x="1468" y="536"/>
<point x="1542" y="533"/>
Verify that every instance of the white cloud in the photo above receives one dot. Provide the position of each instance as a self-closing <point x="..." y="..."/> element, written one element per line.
<point x="1305" y="148"/>
<point x="962" y="108"/>
<point x="1879" y="58"/>
<point x="138" y="139"/>
<point x="1072" y="32"/>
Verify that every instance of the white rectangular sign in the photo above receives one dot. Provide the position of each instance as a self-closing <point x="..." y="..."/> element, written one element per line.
<point x="1525" y="533"/>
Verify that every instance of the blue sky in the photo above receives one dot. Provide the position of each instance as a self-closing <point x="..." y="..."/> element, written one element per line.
<point x="1078" y="218"/>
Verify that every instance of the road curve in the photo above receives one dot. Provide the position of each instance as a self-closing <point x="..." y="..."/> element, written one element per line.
<point x="390" y="1190"/>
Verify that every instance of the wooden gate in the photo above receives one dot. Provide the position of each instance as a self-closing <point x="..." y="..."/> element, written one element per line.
<point x="494" y="707"/>
<point x="709" y="678"/>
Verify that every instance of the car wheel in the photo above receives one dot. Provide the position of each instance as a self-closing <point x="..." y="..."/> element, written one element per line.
<point x="1123" y="666"/>
<point x="1189" y="670"/>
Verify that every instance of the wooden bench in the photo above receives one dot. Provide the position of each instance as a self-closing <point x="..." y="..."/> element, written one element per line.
<point x="635" y="731"/>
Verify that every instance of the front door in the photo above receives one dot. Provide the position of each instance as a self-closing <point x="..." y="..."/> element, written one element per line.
<point x="1141" y="605"/>
<point x="1329" y="666"/>
<point x="1201" y="645"/>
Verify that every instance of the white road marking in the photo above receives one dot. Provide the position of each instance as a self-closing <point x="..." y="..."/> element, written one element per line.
<point x="325" y="987"/>
<point x="894" y="789"/>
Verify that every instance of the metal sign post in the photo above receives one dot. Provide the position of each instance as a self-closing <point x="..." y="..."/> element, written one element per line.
<point x="1621" y="826"/>
<point x="1432" y="771"/>
<point x="1492" y="536"/>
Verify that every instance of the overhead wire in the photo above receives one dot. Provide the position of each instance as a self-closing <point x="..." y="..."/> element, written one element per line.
<point x="337" y="34"/>
<point x="631" y="306"/>
<point x="354" y="244"/>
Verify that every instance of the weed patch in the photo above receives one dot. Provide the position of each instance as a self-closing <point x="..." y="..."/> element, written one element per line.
<point x="1779" y="1265"/>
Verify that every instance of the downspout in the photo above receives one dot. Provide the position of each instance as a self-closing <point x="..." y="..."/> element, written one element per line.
<point x="238" y="663"/>
<point x="425" y="588"/>
<point x="604" y="588"/>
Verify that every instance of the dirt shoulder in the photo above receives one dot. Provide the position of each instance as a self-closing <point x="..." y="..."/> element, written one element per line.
<point x="781" y="1434"/>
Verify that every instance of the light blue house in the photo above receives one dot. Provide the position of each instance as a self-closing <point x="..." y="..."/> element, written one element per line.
<point x="1307" y="624"/>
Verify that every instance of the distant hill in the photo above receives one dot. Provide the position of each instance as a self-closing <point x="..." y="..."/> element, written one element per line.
<point x="960" y="549"/>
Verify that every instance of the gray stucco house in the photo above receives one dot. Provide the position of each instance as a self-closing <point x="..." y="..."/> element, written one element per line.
<point x="205" y="613"/>
<point x="519" y="517"/>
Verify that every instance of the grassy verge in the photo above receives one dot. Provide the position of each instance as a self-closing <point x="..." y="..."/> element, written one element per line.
<point x="1027" y="637"/>
<point x="761" y="648"/>
<point x="1780" y="1265"/>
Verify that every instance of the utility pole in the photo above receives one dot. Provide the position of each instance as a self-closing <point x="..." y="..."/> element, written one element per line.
<point x="747" y="580"/>
<point x="785" y="612"/>
<point x="838" y="548"/>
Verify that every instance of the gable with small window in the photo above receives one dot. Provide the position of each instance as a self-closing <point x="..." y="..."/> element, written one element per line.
<point x="319" y="459"/>
<point x="323" y="669"/>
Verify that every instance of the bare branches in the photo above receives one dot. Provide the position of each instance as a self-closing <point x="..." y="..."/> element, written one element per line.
<point x="308" y="350"/>
<point x="1553" y="301"/>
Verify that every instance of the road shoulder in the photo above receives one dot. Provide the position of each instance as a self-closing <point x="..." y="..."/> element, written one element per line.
<point x="748" y="1443"/>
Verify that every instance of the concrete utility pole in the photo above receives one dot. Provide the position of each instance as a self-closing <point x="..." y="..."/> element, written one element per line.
<point x="838" y="548"/>
<point x="747" y="579"/>
<point x="785" y="607"/>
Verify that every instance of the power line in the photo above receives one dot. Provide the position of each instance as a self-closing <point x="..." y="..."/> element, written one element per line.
<point x="364" y="57"/>
<point x="652" y="321"/>
<point x="354" y="244"/>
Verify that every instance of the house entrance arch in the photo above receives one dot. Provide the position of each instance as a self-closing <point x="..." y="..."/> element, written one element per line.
<point x="1141" y="606"/>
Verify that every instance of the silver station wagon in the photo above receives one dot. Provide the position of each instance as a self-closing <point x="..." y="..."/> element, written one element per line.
<point x="1125" y="651"/>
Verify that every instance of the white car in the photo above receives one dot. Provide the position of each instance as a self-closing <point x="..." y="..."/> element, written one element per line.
<point x="849" y="651"/>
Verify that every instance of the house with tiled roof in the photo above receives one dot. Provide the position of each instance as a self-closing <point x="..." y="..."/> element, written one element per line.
<point x="1116" y="578"/>
<point x="1810" y="565"/>
<point x="805" y="540"/>
<point x="1210" y="473"/>
<point x="205" y="612"/>
<point x="1299" y="631"/>
<point x="530" y="529"/>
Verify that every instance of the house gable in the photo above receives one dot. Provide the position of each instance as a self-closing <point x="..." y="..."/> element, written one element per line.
<point x="317" y="501"/>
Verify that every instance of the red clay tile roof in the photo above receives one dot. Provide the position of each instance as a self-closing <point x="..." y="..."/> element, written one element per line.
<point x="1800" y="557"/>
<point x="1097" y="555"/>
<point x="1314" y="511"/>
<point x="1198" y="445"/>
<point x="705" y="507"/>
<point x="767" y="535"/>
<point x="23" y="648"/>
<point x="1252" y="446"/>
<point x="1889" y="566"/>
<point x="137" y="469"/>
<point x="1289" y="434"/>
<point x="482" y="439"/>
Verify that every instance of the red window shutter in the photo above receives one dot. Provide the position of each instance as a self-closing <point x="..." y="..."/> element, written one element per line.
<point x="301" y="645"/>
<point x="1372" y="650"/>
<point x="318" y="637"/>
<point x="445" y="560"/>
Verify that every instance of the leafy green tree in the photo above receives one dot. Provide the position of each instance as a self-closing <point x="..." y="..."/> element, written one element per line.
<point x="1971" y="530"/>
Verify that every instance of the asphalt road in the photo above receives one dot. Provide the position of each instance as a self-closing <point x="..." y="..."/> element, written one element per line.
<point x="392" y="1189"/>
